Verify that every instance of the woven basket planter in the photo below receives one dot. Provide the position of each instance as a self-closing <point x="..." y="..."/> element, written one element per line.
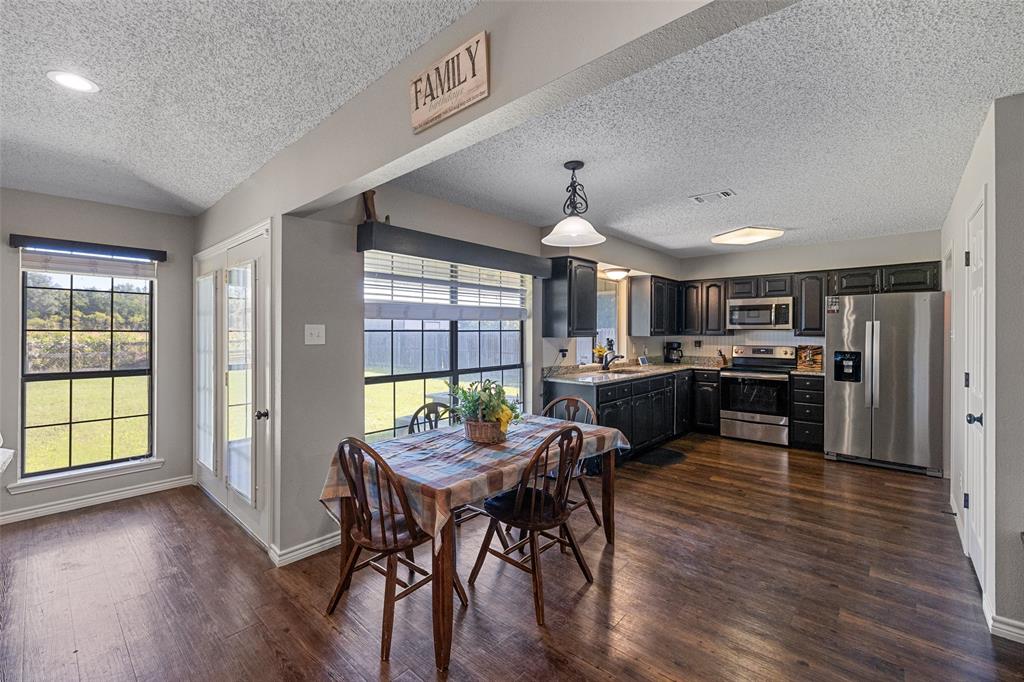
<point x="484" y="432"/>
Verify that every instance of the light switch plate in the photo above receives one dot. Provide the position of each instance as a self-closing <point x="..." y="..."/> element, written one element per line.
<point x="316" y="335"/>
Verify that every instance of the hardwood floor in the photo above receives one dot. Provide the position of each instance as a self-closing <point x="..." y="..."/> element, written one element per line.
<point x="732" y="561"/>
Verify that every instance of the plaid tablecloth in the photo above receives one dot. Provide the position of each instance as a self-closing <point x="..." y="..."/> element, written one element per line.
<point x="441" y="469"/>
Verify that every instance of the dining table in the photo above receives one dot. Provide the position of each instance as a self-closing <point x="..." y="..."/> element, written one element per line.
<point x="442" y="470"/>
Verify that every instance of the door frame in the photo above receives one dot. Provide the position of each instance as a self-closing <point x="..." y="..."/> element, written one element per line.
<point x="268" y="367"/>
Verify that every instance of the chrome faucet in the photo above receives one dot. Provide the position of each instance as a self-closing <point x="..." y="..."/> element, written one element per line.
<point x="609" y="358"/>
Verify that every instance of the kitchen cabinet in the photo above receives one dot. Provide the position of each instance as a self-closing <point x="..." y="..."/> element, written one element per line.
<point x="775" y="285"/>
<point x="652" y="306"/>
<point x="684" y="403"/>
<point x="643" y="420"/>
<point x="689" y="308"/>
<point x="886" y="279"/>
<point x="713" y="301"/>
<point x="807" y="412"/>
<point x="761" y="286"/>
<point x="911" y="277"/>
<point x="855" y="281"/>
<point x="743" y="287"/>
<point x="618" y="415"/>
<point x="809" y="302"/>
<point x="703" y="308"/>
<point x="706" y="406"/>
<point x="570" y="298"/>
<point x="643" y="409"/>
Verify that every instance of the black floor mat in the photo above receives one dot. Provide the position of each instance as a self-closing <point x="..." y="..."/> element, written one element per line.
<point x="660" y="457"/>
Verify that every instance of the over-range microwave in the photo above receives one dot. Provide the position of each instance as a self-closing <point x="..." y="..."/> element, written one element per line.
<point x="760" y="313"/>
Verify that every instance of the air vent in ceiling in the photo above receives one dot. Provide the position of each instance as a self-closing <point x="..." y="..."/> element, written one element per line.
<point x="712" y="197"/>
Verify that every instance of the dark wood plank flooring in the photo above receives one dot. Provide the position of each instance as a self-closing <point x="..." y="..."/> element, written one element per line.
<point x="733" y="561"/>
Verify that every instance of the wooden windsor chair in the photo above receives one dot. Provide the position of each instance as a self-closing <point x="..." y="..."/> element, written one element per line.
<point x="383" y="525"/>
<point x="537" y="505"/>
<point x="575" y="409"/>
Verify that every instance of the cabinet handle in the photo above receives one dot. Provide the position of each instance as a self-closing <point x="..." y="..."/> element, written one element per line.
<point x="971" y="419"/>
<point x="262" y="414"/>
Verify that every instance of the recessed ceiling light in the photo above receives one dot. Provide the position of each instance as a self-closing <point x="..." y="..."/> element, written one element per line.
<point x="72" y="81"/>
<point x="615" y="274"/>
<point x="747" y="235"/>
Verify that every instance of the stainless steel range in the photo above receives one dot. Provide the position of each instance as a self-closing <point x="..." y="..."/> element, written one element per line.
<point x="755" y="393"/>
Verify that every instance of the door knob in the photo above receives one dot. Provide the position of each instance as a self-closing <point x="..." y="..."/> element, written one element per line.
<point x="971" y="419"/>
<point x="262" y="414"/>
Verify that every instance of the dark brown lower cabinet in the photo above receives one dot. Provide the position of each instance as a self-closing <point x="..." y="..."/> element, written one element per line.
<point x="807" y="412"/>
<point x="706" y="406"/>
<point x="618" y="415"/>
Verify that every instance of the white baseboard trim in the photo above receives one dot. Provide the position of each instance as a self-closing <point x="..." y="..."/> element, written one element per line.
<point x="959" y="525"/>
<point x="1007" y="628"/>
<point x="305" y="549"/>
<point x="38" y="510"/>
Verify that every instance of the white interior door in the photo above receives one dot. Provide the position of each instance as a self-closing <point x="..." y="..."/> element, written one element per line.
<point x="974" y="342"/>
<point x="232" y="377"/>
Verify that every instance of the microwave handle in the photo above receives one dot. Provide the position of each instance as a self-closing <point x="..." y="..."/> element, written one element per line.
<point x="774" y="308"/>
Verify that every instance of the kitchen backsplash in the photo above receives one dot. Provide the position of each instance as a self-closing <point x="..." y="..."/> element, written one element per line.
<point x="710" y="345"/>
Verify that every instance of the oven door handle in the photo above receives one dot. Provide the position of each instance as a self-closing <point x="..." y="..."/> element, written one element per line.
<point x="767" y="376"/>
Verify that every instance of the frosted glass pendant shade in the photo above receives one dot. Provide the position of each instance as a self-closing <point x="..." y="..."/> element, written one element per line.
<point x="573" y="231"/>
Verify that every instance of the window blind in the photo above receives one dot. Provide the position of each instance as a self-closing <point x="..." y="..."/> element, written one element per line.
<point x="399" y="287"/>
<point x="69" y="262"/>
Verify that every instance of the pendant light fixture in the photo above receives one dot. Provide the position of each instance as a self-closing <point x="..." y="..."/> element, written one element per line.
<point x="574" y="230"/>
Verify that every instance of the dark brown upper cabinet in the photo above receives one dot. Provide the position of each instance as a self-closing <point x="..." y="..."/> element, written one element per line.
<point x="775" y="285"/>
<point x="702" y="307"/>
<point x="886" y="279"/>
<point x="570" y="298"/>
<point x="713" y="300"/>
<point x="911" y="277"/>
<point x="855" y="281"/>
<point x="689" y="308"/>
<point x="809" y="300"/>
<point x="742" y="287"/>
<point x="652" y="306"/>
<point x="759" y="287"/>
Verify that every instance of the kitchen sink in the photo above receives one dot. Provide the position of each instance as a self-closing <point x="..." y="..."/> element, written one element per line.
<point x="598" y="377"/>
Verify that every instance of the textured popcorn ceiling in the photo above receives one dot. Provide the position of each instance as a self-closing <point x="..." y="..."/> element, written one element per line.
<point x="195" y="97"/>
<point x="833" y="120"/>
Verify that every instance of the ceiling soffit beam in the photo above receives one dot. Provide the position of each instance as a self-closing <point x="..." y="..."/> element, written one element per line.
<point x="536" y="66"/>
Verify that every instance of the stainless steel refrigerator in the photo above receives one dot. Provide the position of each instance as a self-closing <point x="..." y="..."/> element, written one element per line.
<point x="883" y="379"/>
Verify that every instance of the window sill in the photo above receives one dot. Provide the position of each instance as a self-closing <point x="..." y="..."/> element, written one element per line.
<point x="27" y="485"/>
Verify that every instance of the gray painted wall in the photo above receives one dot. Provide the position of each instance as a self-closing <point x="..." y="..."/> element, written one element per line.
<point x="995" y="171"/>
<point x="322" y="386"/>
<point x="50" y="216"/>
<point x="1007" y="361"/>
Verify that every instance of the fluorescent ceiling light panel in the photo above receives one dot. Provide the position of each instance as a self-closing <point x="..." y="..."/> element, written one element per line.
<point x="747" y="235"/>
<point x="72" y="81"/>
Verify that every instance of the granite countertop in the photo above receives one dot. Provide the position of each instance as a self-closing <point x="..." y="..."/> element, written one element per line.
<point x="808" y="372"/>
<point x="630" y="373"/>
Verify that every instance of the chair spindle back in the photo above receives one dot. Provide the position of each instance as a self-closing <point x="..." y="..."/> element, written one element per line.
<point x="571" y="409"/>
<point x="428" y="417"/>
<point x="374" y="487"/>
<point x="552" y="491"/>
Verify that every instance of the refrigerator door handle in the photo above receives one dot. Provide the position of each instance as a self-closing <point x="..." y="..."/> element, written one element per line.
<point x="868" y="374"/>
<point x="876" y="370"/>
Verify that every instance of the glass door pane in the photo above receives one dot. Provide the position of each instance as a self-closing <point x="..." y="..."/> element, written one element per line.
<point x="240" y="357"/>
<point x="206" y="370"/>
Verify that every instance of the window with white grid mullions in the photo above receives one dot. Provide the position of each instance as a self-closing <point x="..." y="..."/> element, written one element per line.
<point x="86" y="369"/>
<point x="430" y="322"/>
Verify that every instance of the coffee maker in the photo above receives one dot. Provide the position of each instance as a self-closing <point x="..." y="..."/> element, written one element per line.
<point x="673" y="351"/>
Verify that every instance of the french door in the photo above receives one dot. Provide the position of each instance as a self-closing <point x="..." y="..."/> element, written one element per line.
<point x="231" y="361"/>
